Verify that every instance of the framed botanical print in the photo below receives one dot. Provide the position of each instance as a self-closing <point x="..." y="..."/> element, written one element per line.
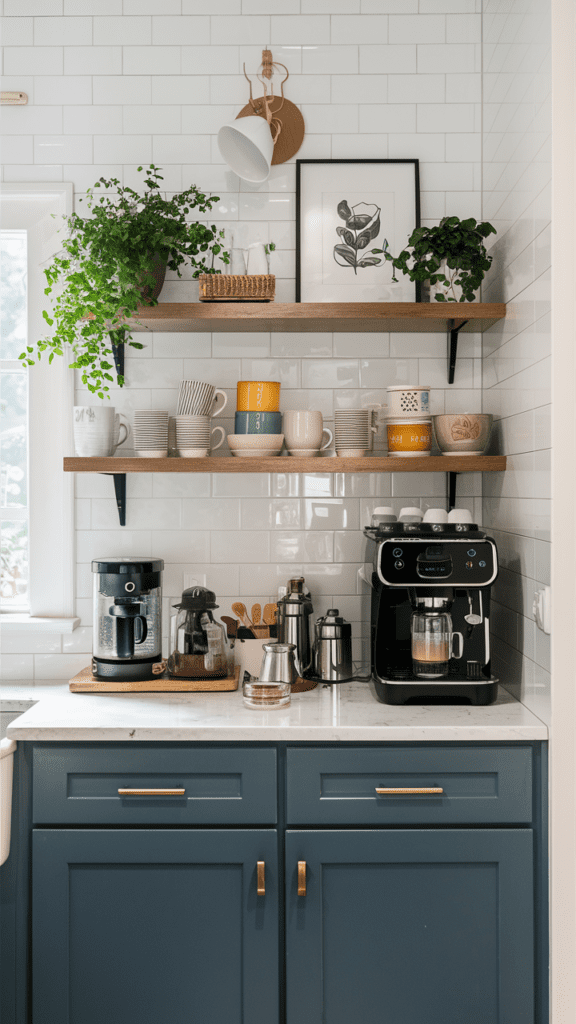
<point x="344" y="210"/>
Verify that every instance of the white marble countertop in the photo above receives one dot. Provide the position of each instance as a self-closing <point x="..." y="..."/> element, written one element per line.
<point x="349" y="712"/>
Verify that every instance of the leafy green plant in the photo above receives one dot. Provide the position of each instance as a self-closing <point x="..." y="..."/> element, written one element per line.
<point x="109" y="263"/>
<point x="460" y="243"/>
<point x="362" y="226"/>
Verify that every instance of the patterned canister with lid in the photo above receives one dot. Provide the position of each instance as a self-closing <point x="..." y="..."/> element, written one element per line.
<point x="405" y="400"/>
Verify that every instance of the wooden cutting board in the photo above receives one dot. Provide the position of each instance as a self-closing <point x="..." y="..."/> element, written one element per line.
<point x="85" y="682"/>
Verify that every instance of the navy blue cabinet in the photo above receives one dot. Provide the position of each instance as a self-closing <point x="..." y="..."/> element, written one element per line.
<point x="387" y="905"/>
<point x="150" y="926"/>
<point x="410" y="926"/>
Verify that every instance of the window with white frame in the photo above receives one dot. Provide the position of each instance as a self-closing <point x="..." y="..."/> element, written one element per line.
<point x="36" y="496"/>
<point x="13" y="422"/>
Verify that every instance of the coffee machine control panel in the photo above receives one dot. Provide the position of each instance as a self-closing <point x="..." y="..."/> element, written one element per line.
<point x="414" y="562"/>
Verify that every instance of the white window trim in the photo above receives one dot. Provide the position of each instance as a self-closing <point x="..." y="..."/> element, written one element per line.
<point x="38" y="208"/>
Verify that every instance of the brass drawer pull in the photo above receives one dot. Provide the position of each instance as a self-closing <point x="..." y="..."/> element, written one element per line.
<point x="405" y="791"/>
<point x="151" y="792"/>
<point x="261" y="881"/>
<point x="301" y="877"/>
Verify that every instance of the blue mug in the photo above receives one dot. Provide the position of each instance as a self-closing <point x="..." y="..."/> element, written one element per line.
<point x="258" y="423"/>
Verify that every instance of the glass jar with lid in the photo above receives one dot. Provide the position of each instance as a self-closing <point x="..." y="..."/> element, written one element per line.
<point x="198" y="648"/>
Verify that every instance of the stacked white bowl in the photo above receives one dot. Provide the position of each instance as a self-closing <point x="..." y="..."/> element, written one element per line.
<point x="353" y="432"/>
<point x="151" y="433"/>
<point x="193" y="436"/>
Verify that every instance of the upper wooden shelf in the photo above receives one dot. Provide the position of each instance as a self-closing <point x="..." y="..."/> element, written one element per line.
<point x="358" y="317"/>
<point x="290" y="464"/>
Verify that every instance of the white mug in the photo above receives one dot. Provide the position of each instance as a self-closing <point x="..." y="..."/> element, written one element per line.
<point x="257" y="261"/>
<point x="97" y="430"/>
<point x="304" y="430"/>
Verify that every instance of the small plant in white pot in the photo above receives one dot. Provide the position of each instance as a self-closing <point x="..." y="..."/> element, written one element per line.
<point x="451" y="256"/>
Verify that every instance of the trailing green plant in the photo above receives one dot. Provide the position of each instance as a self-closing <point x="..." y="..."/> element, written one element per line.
<point x="108" y="266"/>
<point x="460" y="243"/>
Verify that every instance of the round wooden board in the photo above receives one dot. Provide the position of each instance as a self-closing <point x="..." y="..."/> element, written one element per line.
<point x="292" y="135"/>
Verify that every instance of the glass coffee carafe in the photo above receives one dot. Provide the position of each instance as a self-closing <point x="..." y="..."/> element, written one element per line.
<point x="197" y="642"/>
<point x="433" y="643"/>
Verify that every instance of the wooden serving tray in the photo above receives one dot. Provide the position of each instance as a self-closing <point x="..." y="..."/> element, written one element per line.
<point x="85" y="682"/>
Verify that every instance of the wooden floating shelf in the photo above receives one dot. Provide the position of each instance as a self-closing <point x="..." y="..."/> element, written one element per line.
<point x="290" y="464"/>
<point x="295" y="317"/>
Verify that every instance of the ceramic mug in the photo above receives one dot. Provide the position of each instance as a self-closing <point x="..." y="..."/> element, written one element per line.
<point x="258" y="423"/>
<point x="303" y="430"/>
<point x="258" y="396"/>
<point x="409" y="437"/>
<point x="97" y="430"/>
<point x="405" y="400"/>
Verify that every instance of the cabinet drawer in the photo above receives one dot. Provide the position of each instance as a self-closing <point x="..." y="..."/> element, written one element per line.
<point x="222" y="786"/>
<point x="479" y="785"/>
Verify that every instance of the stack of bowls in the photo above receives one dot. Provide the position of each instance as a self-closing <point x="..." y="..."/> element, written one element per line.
<point x="257" y="422"/>
<point x="409" y="424"/>
<point x="193" y="436"/>
<point x="151" y="434"/>
<point x="353" y="432"/>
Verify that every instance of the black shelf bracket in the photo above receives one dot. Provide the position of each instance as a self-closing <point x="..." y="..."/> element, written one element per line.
<point x="120" y="492"/>
<point x="451" y="488"/>
<point x="118" y="353"/>
<point x="454" y="328"/>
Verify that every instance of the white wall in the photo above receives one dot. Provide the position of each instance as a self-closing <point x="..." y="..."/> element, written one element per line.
<point x="115" y="83"/>
<point x="516" y="364"/>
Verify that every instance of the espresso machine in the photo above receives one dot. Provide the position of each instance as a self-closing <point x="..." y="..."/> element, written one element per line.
<point x="429" y="608"/>
<point x="127" y="640"/>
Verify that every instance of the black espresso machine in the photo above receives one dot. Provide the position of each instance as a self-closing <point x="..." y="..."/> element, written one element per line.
<point x="430" y="612"/>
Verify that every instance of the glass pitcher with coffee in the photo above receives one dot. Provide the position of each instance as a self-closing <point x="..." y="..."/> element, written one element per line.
<point x="433" y="639"/>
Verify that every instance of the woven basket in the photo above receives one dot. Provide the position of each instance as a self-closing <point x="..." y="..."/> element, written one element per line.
<point x="237" y="287"/>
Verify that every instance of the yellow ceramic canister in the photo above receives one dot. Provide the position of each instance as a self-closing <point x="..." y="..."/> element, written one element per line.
<point x="258" y="396"/>
<point x="412" y="437"/>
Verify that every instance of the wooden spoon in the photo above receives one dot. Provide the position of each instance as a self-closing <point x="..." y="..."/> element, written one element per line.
<point x="270" y="611"/>
<point x="239" y="609"/>
<point x="256" y="613"/>
<point x="231" y="626"/>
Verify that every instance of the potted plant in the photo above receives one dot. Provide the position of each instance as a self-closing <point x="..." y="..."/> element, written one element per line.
<point x="114" y="260"/>
<point x="451" y="256"/>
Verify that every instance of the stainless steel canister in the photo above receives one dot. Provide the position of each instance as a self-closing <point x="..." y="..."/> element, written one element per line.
<point x="294" y="611"/>
<point x="333" y="647"/>
<point x="278" y="664"/>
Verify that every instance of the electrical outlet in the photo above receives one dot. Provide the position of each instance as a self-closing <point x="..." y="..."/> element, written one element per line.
<point x="542" y="609"/>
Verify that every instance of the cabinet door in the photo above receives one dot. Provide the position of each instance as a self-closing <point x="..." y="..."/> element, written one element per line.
<point x="142" y="927"/>
<point x="406" y="927"/>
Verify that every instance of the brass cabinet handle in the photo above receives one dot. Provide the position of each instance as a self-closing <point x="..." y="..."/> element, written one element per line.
<point x="405" y="791"/>
<point x="151" y="792"/>
<point x="261" y="881"/>
<point x="301" y="877"/>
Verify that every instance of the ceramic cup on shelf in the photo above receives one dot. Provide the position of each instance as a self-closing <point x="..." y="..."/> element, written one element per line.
<point x="258" y="422"/>
<point x="408" y="400"/>
<point x="194" y="436"/>
<point x="196" y="398"/>
<point x="258" y="396"/>
<point x="409" y="438"/>
<point x="304" y="432"/>
<point x="151" y="433"/>
<point x="97" y="430"/>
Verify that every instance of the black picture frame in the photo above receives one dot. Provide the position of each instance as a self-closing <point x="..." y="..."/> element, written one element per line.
<point x="302" y="163"/>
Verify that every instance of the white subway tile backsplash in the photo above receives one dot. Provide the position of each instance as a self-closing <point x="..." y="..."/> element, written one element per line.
<point x="177" y="31"/>
<point x="94" y="120"/>
<point x="120" y="89"/>
<point x="24" y="8"/>
<point x="232" y="30"/>
<point x="63" y="149"/>
<point x="132" y="31"/>
<point x="331" y="60"/>
<point x="300" y="30"/>
<point x="232" y="546"/>
<point x="31" y="120"/>
<point x="17" y="666"/>
<point x="150" y="60"/>
<point x="387" y="117"/>
<point x="33" y="60"/>
<point x="67" y="31"/>
<point x="440" y="58"/>
<point x="417" y="28"/>
<point x="156" y="119"/>
<point x="92" y="60"/>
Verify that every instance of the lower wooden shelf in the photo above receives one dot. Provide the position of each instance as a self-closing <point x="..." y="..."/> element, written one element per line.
<point x="289" y="464"/>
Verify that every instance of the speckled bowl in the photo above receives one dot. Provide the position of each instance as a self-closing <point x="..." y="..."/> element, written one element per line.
<point x="462" y="433"/>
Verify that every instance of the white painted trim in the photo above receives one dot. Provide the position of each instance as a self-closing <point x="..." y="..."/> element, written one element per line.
<point x="14" y="623"/>
<point x="51" y="397"/>
<point x="563" y="719"/>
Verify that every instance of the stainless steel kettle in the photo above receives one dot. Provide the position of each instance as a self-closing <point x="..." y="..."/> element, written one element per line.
<point x="294" y="611"/>
<point x="333" y="647"/>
